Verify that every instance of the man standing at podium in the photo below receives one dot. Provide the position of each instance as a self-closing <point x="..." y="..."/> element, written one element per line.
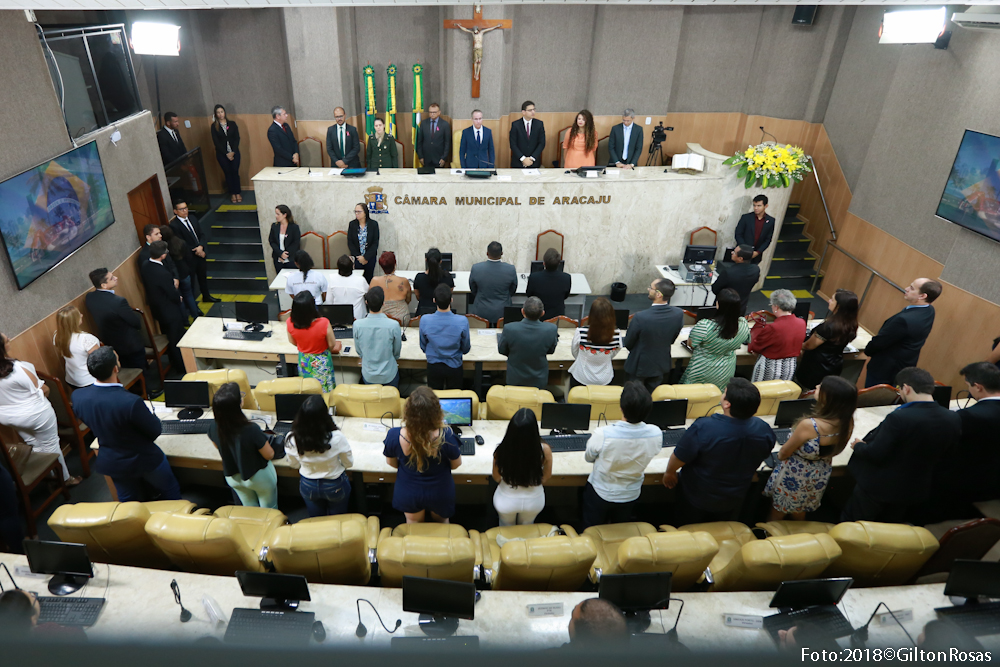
<point x="434" y="140"/>
<point x="342" y="142"/>
<point x="527" y="139"/>
<point x="476" y="148"/>
<point x="625" y="142"/>
<point x="756" y="229"/>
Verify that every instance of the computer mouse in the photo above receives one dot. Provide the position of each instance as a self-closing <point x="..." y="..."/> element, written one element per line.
<point x="479" y="440"/>
<point x="404" y="338"/>
<point x="319" y="632"/>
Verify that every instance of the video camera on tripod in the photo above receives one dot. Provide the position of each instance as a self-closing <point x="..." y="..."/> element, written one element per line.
<point x="656" y="144"/>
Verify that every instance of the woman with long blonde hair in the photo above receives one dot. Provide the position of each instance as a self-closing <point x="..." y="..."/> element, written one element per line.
<point x="425" y="452"/>
<point x="74" y="345"/>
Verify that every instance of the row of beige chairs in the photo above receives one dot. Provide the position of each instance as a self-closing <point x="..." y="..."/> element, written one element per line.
<point x="342" y="549"/>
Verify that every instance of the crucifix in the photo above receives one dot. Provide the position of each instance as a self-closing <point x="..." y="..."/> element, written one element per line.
<point x="477" y="27"/>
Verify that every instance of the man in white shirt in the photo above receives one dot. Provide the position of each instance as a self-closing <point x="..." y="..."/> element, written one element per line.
<point x="348" y="289"/>
<point x="620" y="453"/>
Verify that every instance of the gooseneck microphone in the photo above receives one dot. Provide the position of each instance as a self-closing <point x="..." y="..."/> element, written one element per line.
<point x="860" y="636"/>
<point x="764" y="132"/>
<point x="361" y="630"/>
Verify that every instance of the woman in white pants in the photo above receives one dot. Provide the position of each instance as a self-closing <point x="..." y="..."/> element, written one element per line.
<point x="522" y="463"/>
<point x="25" y="408"/>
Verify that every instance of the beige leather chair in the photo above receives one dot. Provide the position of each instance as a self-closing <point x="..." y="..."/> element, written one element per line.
<point x="778" y="528"/>
<point x="315" y="245"/>
<point x="731" y="536"/>
<point x="503" y="401"/>
<point x="701" y="398"/>
<point x="311" y="153"/>
<point x="116" y="532"/>
<point x="456" y="143"/>
<point x="563" y="322"/>
<point x="550" y="238"/>
<point x="880" y="554"/>
<point x="326" y="549"/>
<point x="478" y="410"/>
<point x="491" y="549"/>
<point x="265" y="391"/>
<point x="773" y="392"/>
<point x="217" y="378"/>
<point x="608" y="537"/>
<point x="337" y="246"/>
<point x="761" y="565"/>
<point x="600" y="398"/>
<point x="428" y="556"/>
<point x="683" y="553"/>
<point x="557" y="563"/>
<point x="221" y="543"/>
<point x="367" y="400"/>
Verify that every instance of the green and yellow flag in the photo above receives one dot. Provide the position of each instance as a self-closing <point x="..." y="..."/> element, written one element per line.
<point x="418" y="107"/>
<point x="370" y="109"/>
<point x="390" y="105"/>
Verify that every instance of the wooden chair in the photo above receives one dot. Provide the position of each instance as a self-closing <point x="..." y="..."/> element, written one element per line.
<point x="315" y="245"/>
<point x="880" y="394"/>
<point x="563" y="322"/>
<point x="690" y="319"/>
<point x="970" y="540"/>
<point x="28" y="473"/>
<point x="500" y="323"/>
<point x="311" y="153"/>
<point x="414" y="322"/>
<point x="550" y="238"/>
<point x="603" y="152"/>
<point x="363" y="154"/>
<point x="401" y="151"/>
<point x="398" y="321"/>
<point x="476" y="322"/>
<point x="71" y="429"/>
<point x="562" y="138"/>
<point x="456" y="143"/>
<point x="336" y="245"/>
<point x="704" y="236"/>
<point x="284" y="315"/>
<point x="155" y="344"/>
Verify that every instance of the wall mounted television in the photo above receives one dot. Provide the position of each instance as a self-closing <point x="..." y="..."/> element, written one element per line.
<point x="971" y="197"/>
<point x="50" y="211"/>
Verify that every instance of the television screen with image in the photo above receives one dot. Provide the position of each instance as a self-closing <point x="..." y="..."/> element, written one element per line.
<point x="971" y="196"/>
<point x="50" y="211"/>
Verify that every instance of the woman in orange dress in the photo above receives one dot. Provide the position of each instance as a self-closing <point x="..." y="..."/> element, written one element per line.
<point x="580" y="146"/>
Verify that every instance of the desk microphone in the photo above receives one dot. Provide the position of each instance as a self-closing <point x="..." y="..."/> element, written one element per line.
<point x="9" y="576"/>
<point x="763" y="132"/>
<point x="185" y="614"/>
<point x="860" y="636"/>
<point x="387" y="412"/>
<point x="282" y="173"/>
<point x="361" y="630"/>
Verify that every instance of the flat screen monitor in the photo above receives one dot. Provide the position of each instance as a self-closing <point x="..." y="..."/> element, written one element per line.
<point x="49" y="212"/>
<point x="442" y="601"/>
<point x="457" y="411"/>
<point x="971" y="196"/>
<point x="667" y="414"/>
<point x="699" y="254"/>
<point x="810" y="592"/>
<point x="563" y="416"/>
<point x="789" y="412"/>
<point x="254" y="313"/>
<point x="621" y="319"/>
<point x="637" y="592"/>
<point x="537" y="266"/>
<point x="972" y="578"/>
<point x="287" y="405"/>
<point x="942" y="394"/>
<point x="707" y="313"/>
<point x="446" y="262"/>
<point x="802" y="309"/>
<point x="194" y="396"/>
<point x="279" y="591"/>
<point x="341" y="315"/>
<point x="68" y="561"/>
<point x="512" y="314"/>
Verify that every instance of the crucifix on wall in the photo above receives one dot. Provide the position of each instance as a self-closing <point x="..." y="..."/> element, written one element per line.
<point x="477" y="27"/>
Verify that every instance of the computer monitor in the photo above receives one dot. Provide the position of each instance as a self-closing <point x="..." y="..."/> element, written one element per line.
<point x="810" y="592"/>
<point x="68" y="561"/>
<point x="288" y="405"/>
<point x="446" y="262"/>
<point x="566" y="417"/>
<point x="789" y="412"/>
<point x="439" y="602"/>
<point x="512" y="314"/>
<point x="457" y="411"/>
<point x="279" y="591"/>
<point x="699" y="254"/>
<point x="192" y="396"/>
<point x="972" y="578"/>
<point x="942" y="394"/>
<point x="537" y="266"/>
<point x="341" y="315"/>
<point x="665" y="414"/>
<point x="636" y="594"/>
<point x="727" y="256"/>
<point x="254" y="313"/>
<point x="802" y="309"/>
<point x="621" y="319"/>
<point x="707" y="313"/>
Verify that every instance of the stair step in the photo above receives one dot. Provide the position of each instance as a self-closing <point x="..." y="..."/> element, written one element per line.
<point x="237" y="286"/>
<point x="236" y="234"/>
<point x="790" y="283"/>
<point x="793" y="251"/>
<point x="780" y="270"/>
<point x="784" y="264"/>
<point x="247" y="270"/>
<point x="792" y="210"/>
<point x="236" y="251"/>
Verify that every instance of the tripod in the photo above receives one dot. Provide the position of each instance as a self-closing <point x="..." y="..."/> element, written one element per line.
<point x="655" y="148"/>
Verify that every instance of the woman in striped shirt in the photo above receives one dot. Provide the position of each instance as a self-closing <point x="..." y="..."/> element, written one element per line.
<point x="594" y="346"/>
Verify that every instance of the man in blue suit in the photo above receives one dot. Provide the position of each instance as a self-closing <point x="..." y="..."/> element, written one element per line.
<point x="625" y="142"/>
<point x="476" y="149"/>
<point x="127" y="431"/>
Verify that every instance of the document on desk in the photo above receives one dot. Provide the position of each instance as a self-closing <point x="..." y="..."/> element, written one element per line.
<point x="614" y="173"/>
<point x="316" y="174"/>
<point x="488" y="332"/>
<point x="334" y="172"/>
<point x="531" y="172"/>
<point x="503" y="177"/>
<point x="368" y="426"/>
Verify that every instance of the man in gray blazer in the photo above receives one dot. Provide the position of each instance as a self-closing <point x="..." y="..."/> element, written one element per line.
<point x="625" y="142"/>
<point x="650" y="335"/>
<point x="491" y="284"/>
<point x="525" y="345"/>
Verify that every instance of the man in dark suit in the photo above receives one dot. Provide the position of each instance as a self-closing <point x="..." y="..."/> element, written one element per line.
<point x="894" y="464"/>
<point x="897" y="344"/>
<point x="625" y="142"/>
<point x="552" y="285"/>
<point x="650" y="335"/>
<point x="127" y="431"/>
<point x="756" y="229"/>
<point x="169" y="139"/>
<point x="343" y="144"/>
<point x="286" y="149"/>
<point x="153" y="234"/>
<point x="165" y="301"/>
<point x="475" y="151"/>
<point x="186" y="228"/>
<point x="117" y="324"/>
<point x="527" y="139"/>
<point x="491" y="284"/>
<point x="434" y="139"/>
<point x="741" y="275"/>
<point x="526" y="344"/>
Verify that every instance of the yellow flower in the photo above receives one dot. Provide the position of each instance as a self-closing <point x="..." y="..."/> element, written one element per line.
<point x="748" y="153"/>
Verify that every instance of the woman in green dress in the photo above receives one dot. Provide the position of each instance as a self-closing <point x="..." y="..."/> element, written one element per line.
<point x="715" y="342"/>
<point x="381" y="152"/>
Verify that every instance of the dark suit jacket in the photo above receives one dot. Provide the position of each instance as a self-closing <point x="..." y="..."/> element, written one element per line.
<point x="432" y="147"/>
<point x="740" y="277"/>
<point x="552" y="287"/>
<point x="168" y="262"/>
<point x="182" y="232"/>
<point x="625" y="154"/>
<point x="525" y="345"/>
<point x="897" y="344"/>
<point x="473" y="155"/>
<point x="293" y="241"/>
<point x="220" y="138"/>
<point x="348" y="153"/>
<point x="491" y="285"/>
<point x="745" y="229"/>
<point x="522" y="144"/>
<point x="164" y="299"/>
<point x="648" y="339"/>
<point x="283" y="143"/>
<point x="354" y="246"/>
<point x="971" y="470"/>
<point x="170" y="150"/>
<point x="124" y="425"/>
<point x="895" y="463"/>
<point x="117" y="324"/>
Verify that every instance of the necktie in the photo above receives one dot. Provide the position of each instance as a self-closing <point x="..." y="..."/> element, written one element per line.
<point x="187" y="223"/>
<point x="341" y="139"/>
<point x="528" y="125"/>
<point x="479" y="139"/>
<point x="174" y="135"/>
<point x="434" y="126"/>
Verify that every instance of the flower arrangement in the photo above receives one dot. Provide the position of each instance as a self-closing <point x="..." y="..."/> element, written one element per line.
<point x="770" y="165"/>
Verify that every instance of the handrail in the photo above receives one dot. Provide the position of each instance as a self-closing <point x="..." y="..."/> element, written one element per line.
<point x="874" y="272"/>
<point x="822" y="197"/>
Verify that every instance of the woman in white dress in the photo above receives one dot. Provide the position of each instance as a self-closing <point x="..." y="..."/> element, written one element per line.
<point x="74" y="345"/>
<point x="522" y="463"/>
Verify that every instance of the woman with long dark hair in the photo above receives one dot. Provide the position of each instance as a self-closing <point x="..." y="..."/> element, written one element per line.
<point x="306" y="280"/>
<point x="580" y="145"/>
<point x="425" y="283"/>
<point x="424" y="451"/>
<point x="522" y="463"/>
<point x="184" y="262"/>
<point x="823" y="351"/>
<point x="594" y="346"/>
<point x="313" y="337"/>
<point x="226" y="138"/>
<point x="714" y="343"/>
<point x="285" y="238"/>
<point x="246" y="453"/>
<point x="323" y="455"/>
<point x="797" y="484"/>
<point x="362" y="241"/>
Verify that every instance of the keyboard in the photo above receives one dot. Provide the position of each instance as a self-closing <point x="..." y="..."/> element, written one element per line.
<point x="782" y="434"/>
<point x="246" y="335"/>
<point x="186" y="426"/>
<point x="826" y="618"/>
<point x="449" y="643"/>
<point x="259" y="627"/>
<point x="976" y="619"/>
<point x="468" y="446"/>
<point x="70" y="611"/>
<point x="282" y="428"/>
<point x="567" y="443"/>
<point x="341" y="334"/>
<point x="672" y="437"/>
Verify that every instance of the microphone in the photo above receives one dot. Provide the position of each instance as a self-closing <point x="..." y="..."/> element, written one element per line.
<point x="860" y="636"/>
<point x="185" y="614"/>
<point x="766" y="133"/>
<point x="282" y="173"/>
<point x="387" y="412"/>
<point x="361" y="630"/>
<point x="9" y="576"/>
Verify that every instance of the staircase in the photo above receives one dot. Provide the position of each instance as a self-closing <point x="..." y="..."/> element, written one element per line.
<point x="793" y="266"/>
<point x="236" y="254"/>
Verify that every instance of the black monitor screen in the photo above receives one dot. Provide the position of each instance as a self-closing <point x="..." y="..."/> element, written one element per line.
<point x="537" y="266"/>
<point x="574" y="416"/>
<point x="446" y="262"/>
<point x="512" y="314"/>
<point x="942" y="394"/>
<point x="637" y="592"/>
<point x="802" y="309"/>
<point x="271" y="585"/>
<point x="439" y="597"/>
<point x="970" y="578"/>
<point x="181" y="394"/>
<point x="810" y="592"/>
<point x="699" y="254"/>
<point x="339" y="315"/>
<point x="457" y="411"/>
<point x="789" y="412"/>
<point x="287" y="405"/>
<point x="665" y="414"/>
<point x="58" y="558"/>
<point x="255" y="313"/>
<point x="621" y="319"/>
<point x="707" y="313"/>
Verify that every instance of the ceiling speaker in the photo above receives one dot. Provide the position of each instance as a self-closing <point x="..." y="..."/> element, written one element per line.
<point x="804" y="15"/>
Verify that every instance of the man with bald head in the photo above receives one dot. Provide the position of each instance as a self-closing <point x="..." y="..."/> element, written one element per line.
<point x="596" y="621"/>
<point x="897" y="344"/>
<point x="343" y="144"/>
